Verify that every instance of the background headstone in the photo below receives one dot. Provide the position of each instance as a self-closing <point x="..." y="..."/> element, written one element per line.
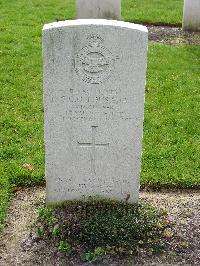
<point x="94" y="9"/>
<point x="191" y="15"/>
<point x="94" y="86"/>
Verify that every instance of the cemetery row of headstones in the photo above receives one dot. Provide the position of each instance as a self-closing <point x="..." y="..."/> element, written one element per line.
<point x="111" y="9"/>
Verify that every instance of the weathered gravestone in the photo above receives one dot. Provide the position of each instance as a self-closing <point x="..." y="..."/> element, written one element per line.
<point x="94" y="86"/>
<point x="191" y="16"/>
<point x="97" y="9"/>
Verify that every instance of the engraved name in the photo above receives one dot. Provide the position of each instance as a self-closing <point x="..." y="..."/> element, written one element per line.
<point x="85" y="106"/>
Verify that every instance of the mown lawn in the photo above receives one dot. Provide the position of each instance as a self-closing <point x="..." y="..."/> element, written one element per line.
<point x="171" y="152"/>
<point x="153" y="11"/>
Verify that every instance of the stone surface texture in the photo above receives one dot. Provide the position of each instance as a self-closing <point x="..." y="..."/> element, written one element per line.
<point x="191" y="17"/>
<point x="94" y="87"/>
<point x="98" y="9"/>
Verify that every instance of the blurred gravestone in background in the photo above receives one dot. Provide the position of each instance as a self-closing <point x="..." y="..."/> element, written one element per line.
<point x="191" y="16"/>
<point x="94" y="9"/>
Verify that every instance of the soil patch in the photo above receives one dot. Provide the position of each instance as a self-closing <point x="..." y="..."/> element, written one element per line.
<point x="19" y="246"/>
<point x="172" y="35"/>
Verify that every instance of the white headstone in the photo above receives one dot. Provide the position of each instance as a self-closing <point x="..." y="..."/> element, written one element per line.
<point x="94" y="86"/>
<point x="98" y="9"/>
<point x="191" y="16"/>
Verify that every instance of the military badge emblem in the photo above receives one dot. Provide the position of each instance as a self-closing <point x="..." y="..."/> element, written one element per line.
<point x="94" y="63"/>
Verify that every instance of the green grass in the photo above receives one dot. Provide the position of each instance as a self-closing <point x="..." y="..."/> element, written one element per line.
<point x="153" y="11"/>
<point x="171" y="153"/>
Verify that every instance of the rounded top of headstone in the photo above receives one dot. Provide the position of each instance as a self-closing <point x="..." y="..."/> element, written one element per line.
<point x="97" y="22"/>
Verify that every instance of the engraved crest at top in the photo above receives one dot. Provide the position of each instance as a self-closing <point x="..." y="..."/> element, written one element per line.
<point x="94" y="63"/>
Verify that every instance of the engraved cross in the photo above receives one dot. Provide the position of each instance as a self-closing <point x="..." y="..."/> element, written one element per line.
<point x="93" y="146"/>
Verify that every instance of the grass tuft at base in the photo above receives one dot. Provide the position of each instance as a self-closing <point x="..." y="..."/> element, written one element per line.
<point x="96" y="228"/>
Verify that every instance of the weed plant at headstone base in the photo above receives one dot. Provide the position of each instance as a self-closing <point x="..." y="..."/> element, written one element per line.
<point x="94" y="228"/>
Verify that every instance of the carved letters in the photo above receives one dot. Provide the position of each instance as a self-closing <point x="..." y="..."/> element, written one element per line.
<point x="85" y="106"/>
